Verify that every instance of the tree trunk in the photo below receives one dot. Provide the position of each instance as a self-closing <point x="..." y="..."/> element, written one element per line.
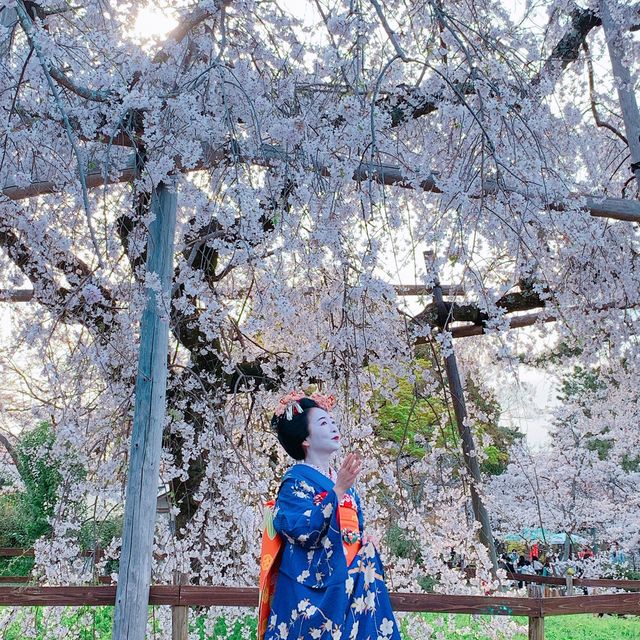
<point x="132" y="597"/>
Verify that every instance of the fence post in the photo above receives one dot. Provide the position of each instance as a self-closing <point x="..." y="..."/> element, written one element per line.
<point x="536" y="628"/>
<point x="569" y="585"/>
<point x="180" y="614"/>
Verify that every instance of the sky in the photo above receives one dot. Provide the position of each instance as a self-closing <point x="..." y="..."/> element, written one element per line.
<point x="527" y="404"/>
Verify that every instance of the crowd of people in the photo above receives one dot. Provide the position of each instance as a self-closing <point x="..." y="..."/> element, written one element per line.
<point x="550" y="564"/>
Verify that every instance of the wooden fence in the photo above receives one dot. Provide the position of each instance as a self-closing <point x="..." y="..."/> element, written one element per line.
<point x="182" y="597"/>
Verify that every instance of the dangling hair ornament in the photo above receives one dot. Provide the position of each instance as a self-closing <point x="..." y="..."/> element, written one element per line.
<point x="289" y="405"/>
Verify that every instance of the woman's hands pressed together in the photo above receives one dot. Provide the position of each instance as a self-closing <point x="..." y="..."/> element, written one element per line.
<point x="351" y="467"/>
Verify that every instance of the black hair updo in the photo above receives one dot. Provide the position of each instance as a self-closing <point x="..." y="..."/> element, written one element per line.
<point x="292" y="433"/>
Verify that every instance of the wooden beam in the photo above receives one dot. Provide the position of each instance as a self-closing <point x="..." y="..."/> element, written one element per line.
<point x="248" y="597"/>
<point x="180" y="614"/>
<point x="269" y="155"/>
<point x="16" y="295"/>
<point x="134" y="576"/>
<point x="515" y="322"/>
<point x="423" y="290"/>
<point x="604" y="583"/>
<point x="620" y="603"/>
<point x="617" y="208"/>
<point x="95" y="178"/>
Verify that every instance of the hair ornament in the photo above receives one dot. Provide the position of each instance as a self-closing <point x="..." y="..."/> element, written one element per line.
<point x="324" y="402"/>
<point x="289" y="405"/>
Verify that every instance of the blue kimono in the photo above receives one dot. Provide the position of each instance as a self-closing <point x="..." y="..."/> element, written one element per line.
<point x="316" y="595"/>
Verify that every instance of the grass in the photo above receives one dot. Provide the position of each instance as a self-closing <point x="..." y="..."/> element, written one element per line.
<point x="94" y="623"/>
<point x="574" y="627"/>
<point x="590" y="627"/>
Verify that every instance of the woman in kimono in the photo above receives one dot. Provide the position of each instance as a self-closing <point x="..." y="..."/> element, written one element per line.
<point x="330" y="582"/>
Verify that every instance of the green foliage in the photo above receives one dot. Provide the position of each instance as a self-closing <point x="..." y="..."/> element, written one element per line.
<point x="82" y="623"/>
<point x="591" y="627"/>
<point x="572" y="627"/>
<point x="630" y="464"/>
<point x="401" y="545"/>
<point x="601" y="446"/>
<point x="41" y="480"/>
<point x="18" y="566"/>
<point x="578" y="383"/>
<point x="496" y="461"/>
<point x="25" y="515"/>
<point x="100" y="533"/>
<point x="247" y="627"/>
<point x="94" y="623"/>
<point x="428" y="583"/>
<point x="12" y="524"/>
<point x="413" y="418"/>
<point x="576" y="387"/>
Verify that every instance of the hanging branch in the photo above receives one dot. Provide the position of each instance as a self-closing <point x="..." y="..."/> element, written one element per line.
<point x="596" y="116"/>
<point x="26" y="24"/>
<point x="389" y="31"/>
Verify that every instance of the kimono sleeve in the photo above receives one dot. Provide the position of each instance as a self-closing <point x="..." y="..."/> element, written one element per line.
<point x="298" y="518"/>
<point x="360" y="513"/>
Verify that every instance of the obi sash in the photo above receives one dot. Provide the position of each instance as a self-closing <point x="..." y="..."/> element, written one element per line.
<point x="271" y="554"/>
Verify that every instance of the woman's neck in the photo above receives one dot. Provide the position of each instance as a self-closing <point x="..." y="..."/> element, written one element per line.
<point x="319" y="460"/>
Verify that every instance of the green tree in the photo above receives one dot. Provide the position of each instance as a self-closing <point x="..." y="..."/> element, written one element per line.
<point x="576" y="387"/>
<point x="41" y="477"/>
<point x="411" y="419"/>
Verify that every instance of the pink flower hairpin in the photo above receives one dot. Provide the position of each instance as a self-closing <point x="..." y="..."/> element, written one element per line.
<point x="324" y="402"/>
<point x="289" y="405"/>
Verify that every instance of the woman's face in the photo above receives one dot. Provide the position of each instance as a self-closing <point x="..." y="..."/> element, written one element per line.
<point x="324" y="436"/>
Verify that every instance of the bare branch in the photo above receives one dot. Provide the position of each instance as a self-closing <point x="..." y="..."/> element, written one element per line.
<point x="568" y="48"/>
<point x="4" y="441"/>
<point x="390" y="33"/>
<point x="596" y="116"/>
<point x="70" y="302"/>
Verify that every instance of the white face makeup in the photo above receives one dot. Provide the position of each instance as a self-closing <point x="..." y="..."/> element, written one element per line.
<point x="324" y="437"/>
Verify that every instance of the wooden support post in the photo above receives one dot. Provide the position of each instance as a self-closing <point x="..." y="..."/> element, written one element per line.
<point x="569" y="580"/>
<point x="468" y="445"/>
<point x="180" y="614"/>
<point x="132" y="596"/>
<point x="536" y="628"/>
<point x="623" y="83"/>
<point x="179" y="623"/>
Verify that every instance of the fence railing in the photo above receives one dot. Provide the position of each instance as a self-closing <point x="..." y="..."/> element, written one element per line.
<point x="604" y="583"/>
<point x="182" y="597"/>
